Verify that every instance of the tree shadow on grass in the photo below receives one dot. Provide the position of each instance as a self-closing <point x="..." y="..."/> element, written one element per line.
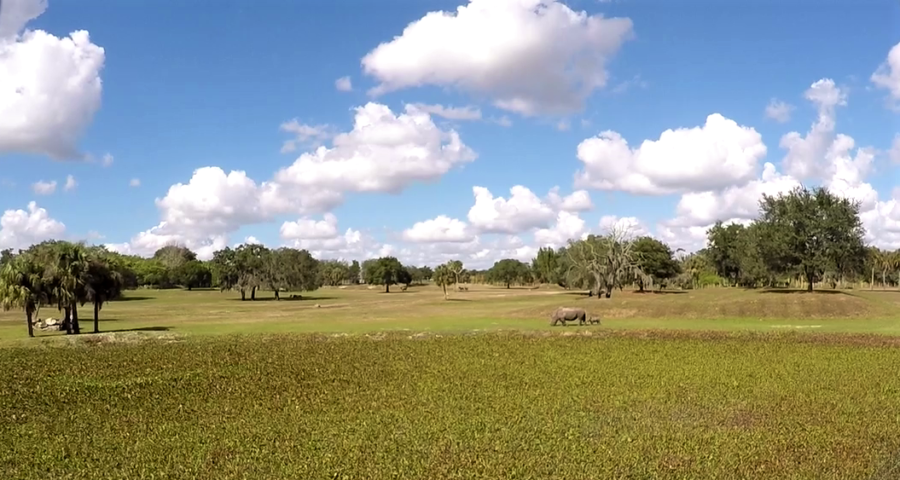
<point x="576" y="293"/>
<point x="661" y="292"/>
<point x="284" y="298"/>
<point x="131" y="298"/>
<point x="138" y="329"/>
<point x="458" y="300"/>
<point x="802" y="291"/>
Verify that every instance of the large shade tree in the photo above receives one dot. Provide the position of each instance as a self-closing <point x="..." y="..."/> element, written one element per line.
<point x="810" y="231"/>
<point x="509" y="271"/>
<point x="385" y="271"/>
<point x="655" y="259"/>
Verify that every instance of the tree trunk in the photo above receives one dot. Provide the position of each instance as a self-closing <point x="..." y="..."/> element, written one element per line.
<point x="507" y="285"/>
<point x="189" y="288"/>
<point x="243" y="294"/>
<point x="387" y="287"/>
<point x="883" y="280"/>
<point x="277" y="297"/>
<point x="809" y="281"/>
<point x="640" y="285"/>
<point x="96" y="317"/>
<point x="28" y="315"/>
<point x="253" y="294"/>
<point x="67" y="320"/>
<point x="872" y="283"/>
<point x="75" y="325"/>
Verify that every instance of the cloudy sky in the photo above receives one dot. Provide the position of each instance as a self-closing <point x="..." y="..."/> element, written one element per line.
<point x="476" y="130"/>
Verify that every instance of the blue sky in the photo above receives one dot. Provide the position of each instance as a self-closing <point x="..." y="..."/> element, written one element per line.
<point x="198" y="84"/>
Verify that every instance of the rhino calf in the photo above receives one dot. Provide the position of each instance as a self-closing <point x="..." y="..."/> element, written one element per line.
<point x="564" y="314"/>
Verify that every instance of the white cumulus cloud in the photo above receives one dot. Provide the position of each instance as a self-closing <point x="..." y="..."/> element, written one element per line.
<point x="439" y="229"/>
<point x="310" y="229"/>
<point x="384" y="153"/>
<point x="805" y="155"/>
<point x="824" y="154"/>
<point x="70" y="184"/>
<point x="50" y="86"/>
<point x="521" y="212"/>
<point x="23" y="228"/>
<point x="887" y="76"/>
<point x="719" y="154"/>
<point x="529" y="56"/>
<point x="568" y="226"/>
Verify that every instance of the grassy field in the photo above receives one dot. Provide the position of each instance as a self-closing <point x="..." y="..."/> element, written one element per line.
<point x="359" y="310"/>
<point x="489" y="405"/>
<point x="718" y="383"/>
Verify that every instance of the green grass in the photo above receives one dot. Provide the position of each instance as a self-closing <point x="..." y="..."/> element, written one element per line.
<point x="359" y="310"/>
<point x="493" y="405"/>
<point x="718" y="383"/>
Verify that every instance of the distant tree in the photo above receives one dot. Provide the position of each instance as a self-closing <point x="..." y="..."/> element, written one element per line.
<point x="415" y="274"/>
<point x="404" y="277"/>
<point x="293" y="270"/>
<point x="545" y="266"/>
<point x="809" y="230"/>
<point x="508" y="271"/>
<point x="224" y="267"/>
<point x="353" y="273"/>
<point x="334" y="272"/>
<point x="174" y="256"/>
<point x="456" y="267"/>
<point x="251" y="263"/>
<point x="725" y="249"/>
<point x="655" y="259"/>
<point x="427" y="273"/>
<point x="602" y="262"/>
<point x="192" y="274"/>
<point x="385" y="271"/>
<point x="443" y="277"/>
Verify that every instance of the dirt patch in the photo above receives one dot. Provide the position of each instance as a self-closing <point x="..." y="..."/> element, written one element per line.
<point x="121" y="338"/>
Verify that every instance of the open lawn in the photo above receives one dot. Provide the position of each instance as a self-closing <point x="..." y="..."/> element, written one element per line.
<point x="639" y="396"/>
<point x="359" y="309"/>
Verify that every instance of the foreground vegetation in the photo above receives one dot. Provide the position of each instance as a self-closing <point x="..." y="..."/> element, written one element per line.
<point x="640" y="405"/>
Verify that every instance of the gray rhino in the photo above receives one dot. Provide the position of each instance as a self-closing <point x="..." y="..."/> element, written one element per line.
<point x="565" y="314"/>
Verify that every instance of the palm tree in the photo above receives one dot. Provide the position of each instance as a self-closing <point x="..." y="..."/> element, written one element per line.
<point x="22" y="285"/>
<point x="68" y="275"/>
<point x="102" y="283"/>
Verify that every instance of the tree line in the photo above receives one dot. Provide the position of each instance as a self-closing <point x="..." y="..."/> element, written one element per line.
<point x="66" y="275"/>
<point x="804" y="237"/>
